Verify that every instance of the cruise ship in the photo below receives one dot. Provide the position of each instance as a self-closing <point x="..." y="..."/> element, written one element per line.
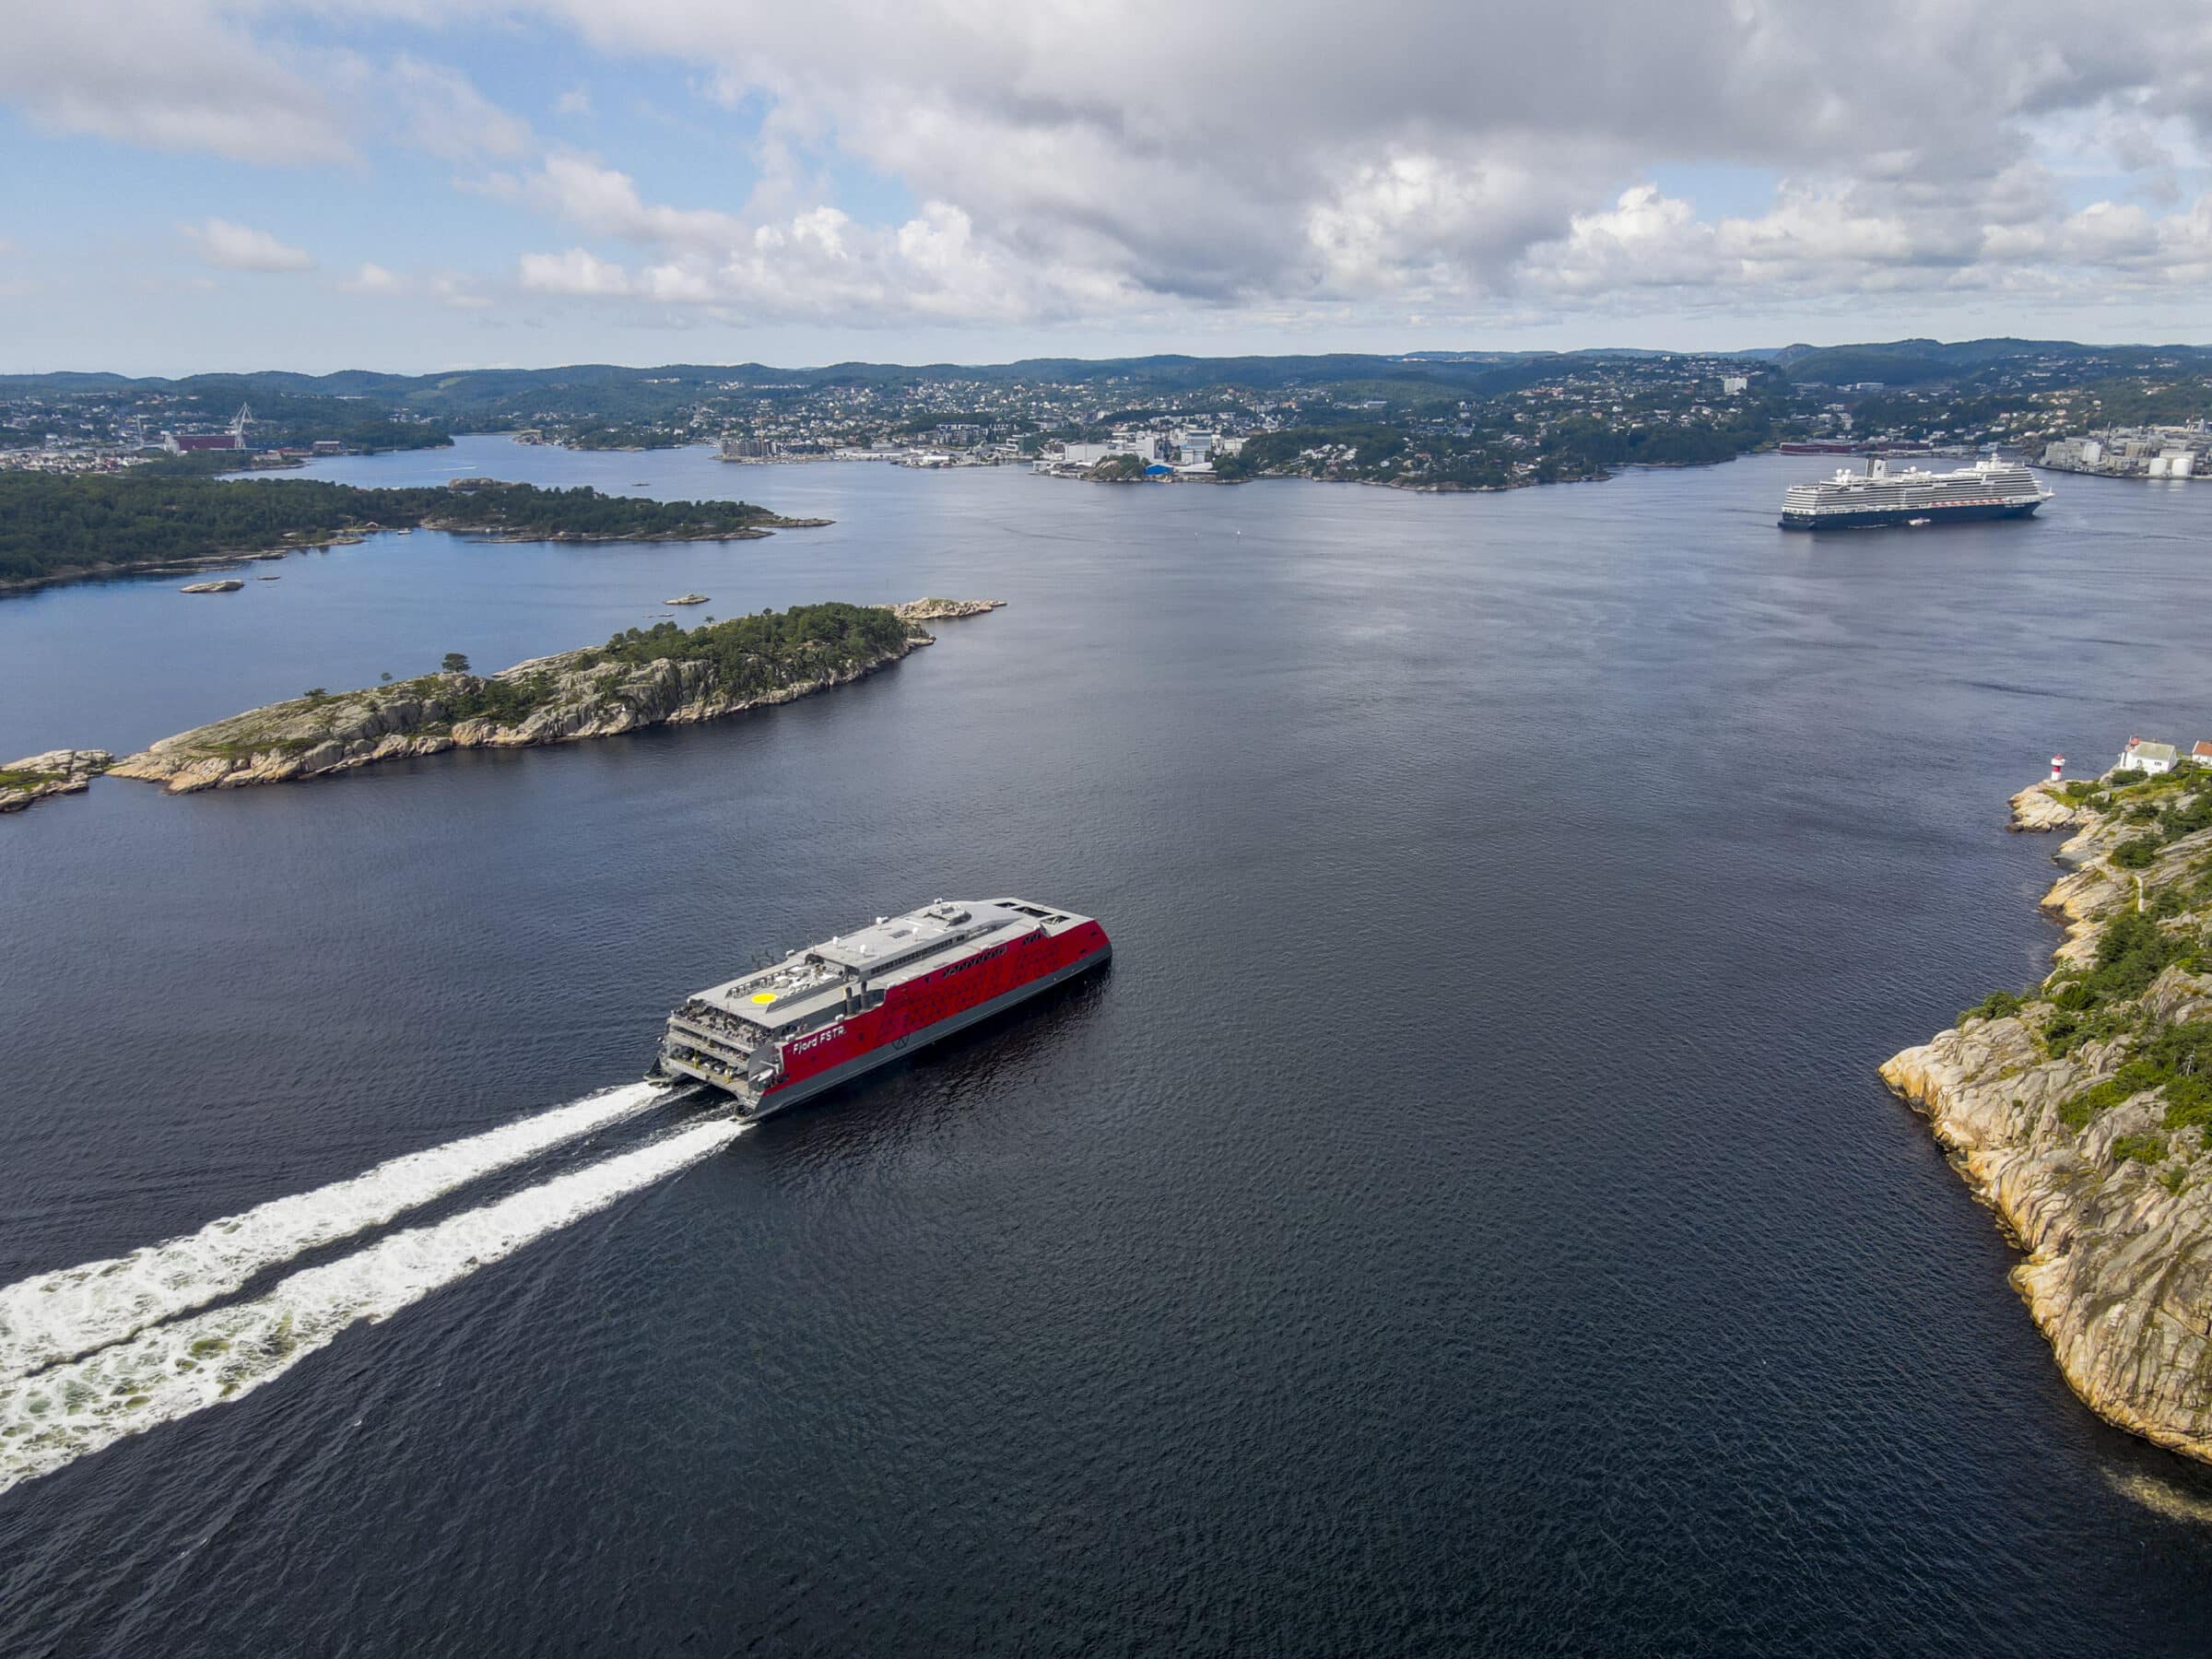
<point x="1878" y="496"/>
<point x="829" y="1013"/>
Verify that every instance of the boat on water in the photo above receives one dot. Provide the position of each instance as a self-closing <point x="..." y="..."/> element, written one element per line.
<point x="687" y="599"/>
<point x="825" y="1015"/>
<point x="1879" y="498"/>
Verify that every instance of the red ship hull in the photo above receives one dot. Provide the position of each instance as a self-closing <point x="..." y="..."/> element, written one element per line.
<point x="931" y="1007"/>
<point x="783" y="1034"/>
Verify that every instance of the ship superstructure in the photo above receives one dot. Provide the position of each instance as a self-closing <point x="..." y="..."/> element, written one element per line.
<point x="827" y="1014"/>
<point x="1878" y="496"/>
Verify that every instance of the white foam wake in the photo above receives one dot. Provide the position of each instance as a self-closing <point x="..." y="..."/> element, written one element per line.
<point x="71" y="1410"/>
<point x="74" y="1310"/>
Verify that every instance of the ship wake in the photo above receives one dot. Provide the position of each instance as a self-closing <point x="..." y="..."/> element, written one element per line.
<point x="168" y="1371"/>
<point x="73" y="1312"/>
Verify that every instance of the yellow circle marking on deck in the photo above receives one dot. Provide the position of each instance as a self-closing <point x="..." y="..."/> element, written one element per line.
<point x="763" y="996"/>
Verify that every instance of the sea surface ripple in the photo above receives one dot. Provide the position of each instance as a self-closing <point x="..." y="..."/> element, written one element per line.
<point x="1465" y="1218"/>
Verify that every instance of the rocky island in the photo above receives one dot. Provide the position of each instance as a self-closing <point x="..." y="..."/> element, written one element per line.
<point x="661" y="676"/>
<point x="944" y="610"/>
<point x="67" y="526"/>
<point x="2078" y="1108"/>
<point x="57" y="771"/>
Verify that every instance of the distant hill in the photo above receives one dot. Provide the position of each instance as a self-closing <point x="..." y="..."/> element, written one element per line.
<point x="608" y="392"/>
<point x="1918" y="362"/>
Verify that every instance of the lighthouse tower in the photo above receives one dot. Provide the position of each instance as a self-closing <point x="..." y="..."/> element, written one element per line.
<point x="2058" y="766"/>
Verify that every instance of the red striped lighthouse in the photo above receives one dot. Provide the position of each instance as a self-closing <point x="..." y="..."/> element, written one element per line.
<point x="2058" y="765"/>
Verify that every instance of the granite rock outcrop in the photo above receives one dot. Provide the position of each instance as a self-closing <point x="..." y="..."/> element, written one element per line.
<point x="559" y="698"/>
<point x="2072" y="1108"/>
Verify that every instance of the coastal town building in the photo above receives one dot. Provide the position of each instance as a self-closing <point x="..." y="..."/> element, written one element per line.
<point x="1089" y="454"/>
<point x="2139" y="756"/>
<point x="2154" y="451"/>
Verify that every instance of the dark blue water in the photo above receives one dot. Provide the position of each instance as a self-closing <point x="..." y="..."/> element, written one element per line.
<point x="1464" y="1218"/>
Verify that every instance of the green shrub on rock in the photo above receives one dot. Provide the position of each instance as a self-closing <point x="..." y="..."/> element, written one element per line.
<point x="2149" y="1147"/>
<point x="1997" y="1005"/>
<point x="773" y="649"/>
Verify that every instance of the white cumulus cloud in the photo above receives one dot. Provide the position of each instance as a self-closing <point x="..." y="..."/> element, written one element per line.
<point x="457" y="293"/>
<point x="374" y="279"/>
<point x="439" y="111"/>
<point x="225" y="78"/>
<point x="1291" y="159"/>
<point x="235" y="247"/>
<point x="574" y="272"/>
<point x="188" y="75"/>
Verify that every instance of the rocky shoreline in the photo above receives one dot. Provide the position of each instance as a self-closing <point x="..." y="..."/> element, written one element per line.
<point x="2078" y="1110"/>
<point x="944" y="610"/>
<point x="57" y="771"/>
<point x="176" y="567"/>
<point x="563" y="697"/>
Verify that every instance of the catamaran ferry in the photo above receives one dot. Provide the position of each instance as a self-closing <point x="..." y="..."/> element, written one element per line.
<point x="831" y="1012"/>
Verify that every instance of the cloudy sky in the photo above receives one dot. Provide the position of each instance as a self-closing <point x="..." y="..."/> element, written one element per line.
<point x="414" y="184"/>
